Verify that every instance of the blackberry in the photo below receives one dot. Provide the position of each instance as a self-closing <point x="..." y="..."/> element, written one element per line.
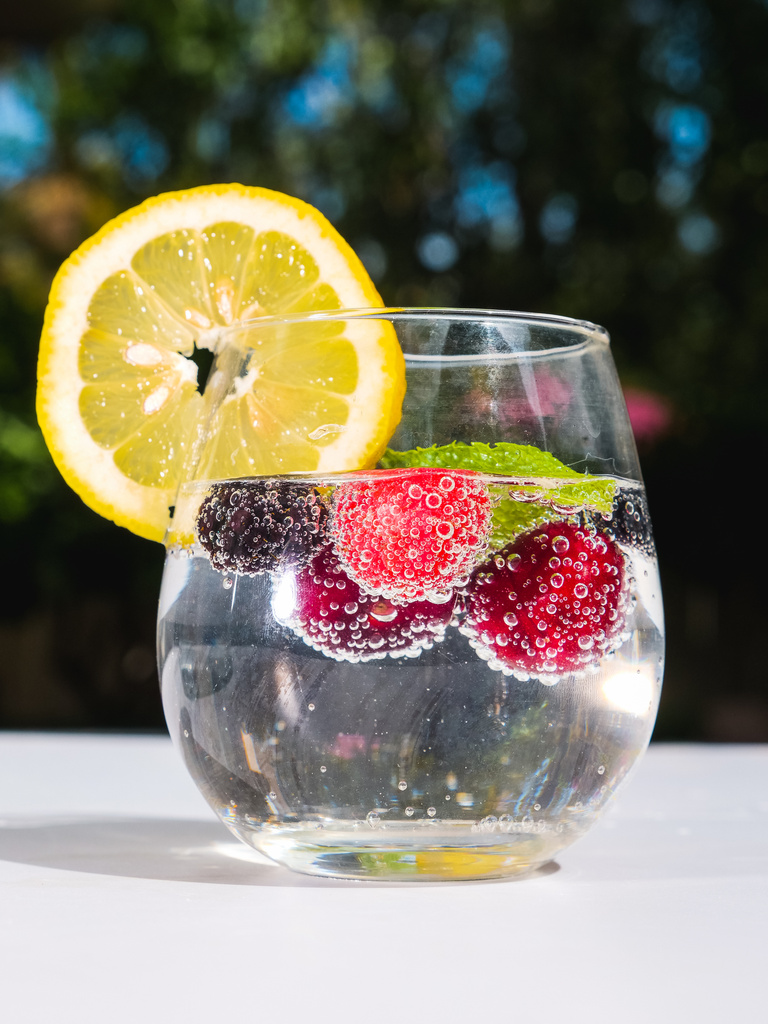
<point x="631" y="524"/>
<point x="252" y="528"/>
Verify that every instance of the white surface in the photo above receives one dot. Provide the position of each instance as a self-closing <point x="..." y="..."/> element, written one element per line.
<point x="122" y="899"/>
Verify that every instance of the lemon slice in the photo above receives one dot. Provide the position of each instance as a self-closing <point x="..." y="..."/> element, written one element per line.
<point x="118" y="398"/>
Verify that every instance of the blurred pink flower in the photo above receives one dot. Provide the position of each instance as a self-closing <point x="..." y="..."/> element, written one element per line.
<point x="348" y="744"/>
<point x="550" y="398"/>
<point x="650" y="414"/>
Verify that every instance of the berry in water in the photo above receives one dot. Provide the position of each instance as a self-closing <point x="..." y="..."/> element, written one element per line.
<point x="413" y="534"/>
<point x="631" y="523"/>
<point x="253" y="528"/>
<point x="328" y="610"/>
<point x="551" y="602"/>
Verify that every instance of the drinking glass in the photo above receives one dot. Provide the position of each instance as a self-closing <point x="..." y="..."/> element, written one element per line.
<point x="441" y="666"/>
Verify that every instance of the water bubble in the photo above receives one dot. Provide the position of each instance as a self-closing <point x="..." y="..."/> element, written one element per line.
<point x="513" y="561"/>
<point x="323" y="768"/>
<point x="272" y="795"/>
<point x="227" y="583"/>
<point x="510" y="619"/>
<point x="402" y="784"/>
<point x="186" y="734"/>
<point x="601" y="770"/>
<point x="557" y="578"/>
<point x="383" y="611"/>
<point x="560" y="544"/>
<point x="409" y="812"/>
<point x="581" y="590"/>
<point x="431" y="811"/>
<point x="373" y="819"/>
<point x="537" y="807"/>
<point x="447" y="796"/>
<point x="311" y="706"/>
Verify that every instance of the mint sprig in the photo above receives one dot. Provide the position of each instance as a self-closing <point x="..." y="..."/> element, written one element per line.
<point x="531" y="498"/>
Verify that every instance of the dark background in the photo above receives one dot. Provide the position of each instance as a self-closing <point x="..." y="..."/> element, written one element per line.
<point x="603" y="159"/>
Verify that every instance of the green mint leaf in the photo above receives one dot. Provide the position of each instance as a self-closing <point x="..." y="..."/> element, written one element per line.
<point x="529" y="501"/>
<point x="510" y="518"/>
<point x="497" y="460"/>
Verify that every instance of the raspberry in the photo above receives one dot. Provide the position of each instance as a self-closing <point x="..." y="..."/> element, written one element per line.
<point x="552" y="601"/>
<point x="332" y="614"/>
<point x="254" y="528"/>
<point x="414" y="535"/>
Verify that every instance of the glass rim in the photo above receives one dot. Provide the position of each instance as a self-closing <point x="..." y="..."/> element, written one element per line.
<point x="585" y="328"/>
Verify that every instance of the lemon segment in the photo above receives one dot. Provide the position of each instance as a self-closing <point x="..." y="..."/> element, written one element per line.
<point x="118" y="396"/>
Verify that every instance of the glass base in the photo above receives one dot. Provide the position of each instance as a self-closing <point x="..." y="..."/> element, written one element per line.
<point x="449" y="853"/>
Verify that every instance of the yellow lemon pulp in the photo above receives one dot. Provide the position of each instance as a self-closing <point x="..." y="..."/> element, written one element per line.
<point x="118" y="397"/>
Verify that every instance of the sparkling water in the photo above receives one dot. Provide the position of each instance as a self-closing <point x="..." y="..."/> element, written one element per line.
<point x="432" y="760"/>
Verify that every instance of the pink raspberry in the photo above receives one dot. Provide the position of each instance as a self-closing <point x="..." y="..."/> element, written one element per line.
<point x="333" y="615"/>
<point x="412" y="534"/>
<point x="553" y="601"/>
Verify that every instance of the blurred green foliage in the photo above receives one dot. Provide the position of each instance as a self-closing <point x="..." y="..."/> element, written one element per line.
<point x="604" y="159"/>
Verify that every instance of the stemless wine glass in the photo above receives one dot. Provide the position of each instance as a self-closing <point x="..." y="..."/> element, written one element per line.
<point x="441" y="666"/>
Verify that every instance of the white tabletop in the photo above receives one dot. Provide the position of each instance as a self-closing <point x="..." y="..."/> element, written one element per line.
<point x="122" y="899"/>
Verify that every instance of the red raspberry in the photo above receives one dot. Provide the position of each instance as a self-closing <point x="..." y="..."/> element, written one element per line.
<point x="412" y="534"/>
<point x="332" y="614"/>
<point x="552" y="601"/>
